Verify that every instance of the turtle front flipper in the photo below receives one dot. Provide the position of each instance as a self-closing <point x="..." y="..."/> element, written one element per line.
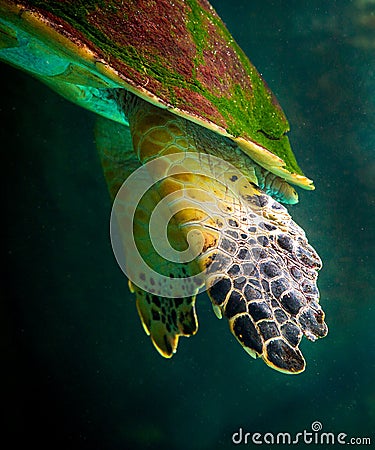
<point x="268" y="290"/>
<point x="256" y="263"/>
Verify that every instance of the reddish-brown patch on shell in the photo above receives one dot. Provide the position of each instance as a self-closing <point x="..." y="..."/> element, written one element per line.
<point x="199" y="106"/>
<point x="156" y="32"/>
<point x="221" y="65"/>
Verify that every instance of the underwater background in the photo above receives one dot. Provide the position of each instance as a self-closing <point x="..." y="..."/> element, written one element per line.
<point x="78" y="371"/>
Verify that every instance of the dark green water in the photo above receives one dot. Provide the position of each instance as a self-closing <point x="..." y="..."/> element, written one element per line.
<point x="77" y="370"/>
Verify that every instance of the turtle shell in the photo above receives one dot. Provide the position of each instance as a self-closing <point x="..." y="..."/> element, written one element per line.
<point x="178" y="55"/>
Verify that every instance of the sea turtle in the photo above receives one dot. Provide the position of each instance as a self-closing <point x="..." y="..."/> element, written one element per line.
<point x="169" y="84"/>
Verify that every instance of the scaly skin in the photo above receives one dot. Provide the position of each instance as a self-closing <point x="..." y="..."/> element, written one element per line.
<point x="257" y="266"/>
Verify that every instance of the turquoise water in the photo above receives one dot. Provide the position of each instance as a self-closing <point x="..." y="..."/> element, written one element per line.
<point x="78" y="370"/>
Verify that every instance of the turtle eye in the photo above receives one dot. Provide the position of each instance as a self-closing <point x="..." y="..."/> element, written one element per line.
<point x="268" y="136"/>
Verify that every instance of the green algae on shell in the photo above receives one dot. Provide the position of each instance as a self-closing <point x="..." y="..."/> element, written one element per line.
<point x="182" y="58"/>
